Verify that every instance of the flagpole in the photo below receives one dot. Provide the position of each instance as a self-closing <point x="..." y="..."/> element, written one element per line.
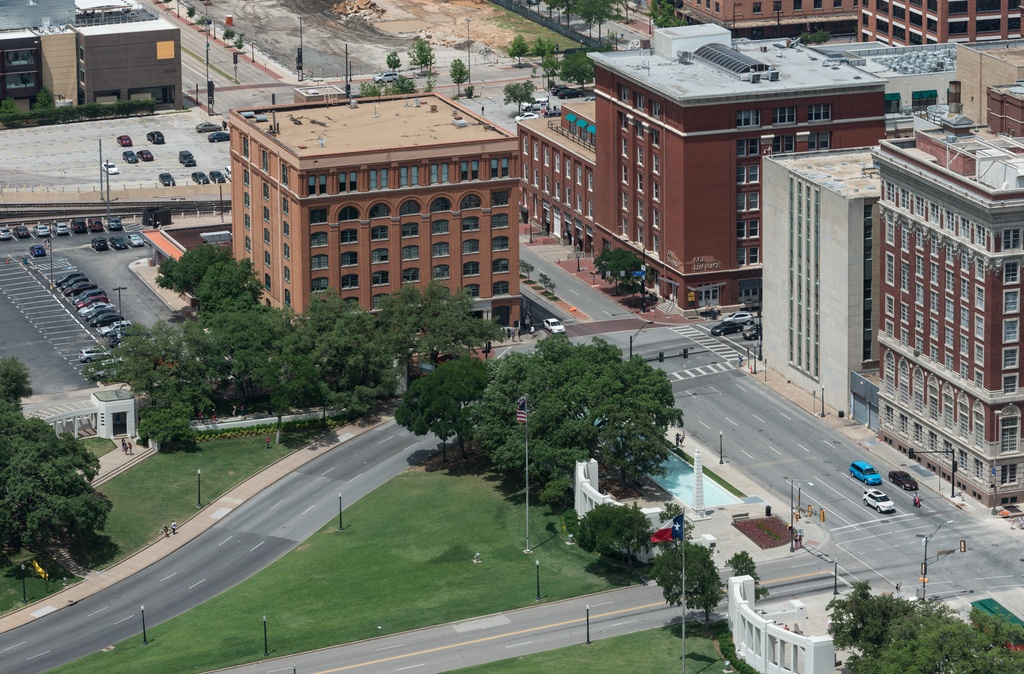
<point x="682" y="591"/>
<point x="526" y="404"/>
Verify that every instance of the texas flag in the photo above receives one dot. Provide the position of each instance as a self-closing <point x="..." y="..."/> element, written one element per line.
<point x="672" y="531"/>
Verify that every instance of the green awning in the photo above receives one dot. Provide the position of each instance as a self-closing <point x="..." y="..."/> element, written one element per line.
<point x="571" y="117"/>
<point x="591" y="128"/>
<point x="581" y="122"/>
<point x="930" y="93"/>
<point x="892" y="97"/>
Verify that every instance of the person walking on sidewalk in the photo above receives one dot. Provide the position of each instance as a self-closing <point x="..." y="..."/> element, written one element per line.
<point x="174" y="527"/>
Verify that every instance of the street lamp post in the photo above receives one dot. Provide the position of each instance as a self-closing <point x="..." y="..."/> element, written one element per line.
<point x="199" y="488"/>
<point x="469" y="56"/>
<point x="792" y="531"/>
<point x="588" y="624"/>
<point x="266" y="651"/>
<point x="579" y="254"/>
<point x="721" y="450"/>
<point x="209" y="110"/>
<point x="924" y="564"/>
<point x="538" y="580"/>
<point x="634" y="336"/>
<point x="340" y="510"/>
<point x="120" y="313"/>
<point x="835" y="577"/>
<point x="24" y="592"/>
<point x="145" y="641"/>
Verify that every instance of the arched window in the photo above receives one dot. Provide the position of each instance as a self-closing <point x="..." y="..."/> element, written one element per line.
<point x="918" y="390"/>
<point x="470" y="246"/>
<point x="470" y="224"/>
<point x="380" y="210"/>
<point x="963" y="416"/>
<point x="266" y="281"/>
<point x="979" y="425"/>
<point x="473" y="290"/>
<point x="890" y="374"/>
<point x="349" y="258"/>
<point x="409" y="207"/>
<point x="317" y="239"/>
<point x="933" y="399"/>
<point x="410" y="229"/>
<point x="349" y="281"/>
<point x="410" y="252"/>
<point x="287" y="297"/>
<point x="1009" y="429"/>
<point x="379" y="233"/>
<point x="499" y="265"/>
<point x="410" y="275"/>
<point x="904" y="383"/>
<point x="469" y="201"/>
<point x="350" y="236"/>
<point x="947" y="407"/>
<point x="348" y="213"/>
<point x="440" y="204"/>
<point x="441" y="271"/>
<point x="379" y="255"/>
<point x="319" y="283"/>
<point x="318" y="262"/>
<point x="470" y="268"/>
<point x="500" y="288"/>
<point x="439" y="227"/>
<point x="499" y="243"/>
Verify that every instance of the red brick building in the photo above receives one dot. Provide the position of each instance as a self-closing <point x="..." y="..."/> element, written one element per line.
<point x="951" y="253"/>
<point x="938" y="21"/>
<point x="679" y="133"/>
<point x="366" y="197"/>
<point x="761" y="19"/>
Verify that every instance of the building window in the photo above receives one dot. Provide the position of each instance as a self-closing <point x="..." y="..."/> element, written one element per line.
<point x="287" y="252"/>
<point x="500" y="288"/>
<point x="381" y="210"/>
<point x="440" y="204"/>
<point x="1010" y="330"/>
<point x="410" y="275"/>
<point x="500" y="265"/>
<point x="320" y="283"/>
<point x="379" y="255"/>
<point x="319" y="262"/>
<point x="748" y="118"/>
<point x="410" y="229"/>
<point x="409" y="207"/>
<point x="819" y="141"/>
<point x="248" y="245"/>
<point x="1011" y="272"/>
<point x="471" y="224"/>
<point x="439" y="249"/>
<point x="380" y="278"/>
<point x="349" y="236"/>
<point x="439" y="227"/>
<point x="470" y="246"/>
<point x="819" y="112"/>
<point x="1009" y="431"/>
<point x="349" y="258"/>
<point x="317" y="239"/>
<point x="410" y="252"/>
<point x="785" y="115"/>
<point x="348" y="213"/>
<point x="499" y="198"/>
<point x="470" y="268"/>
<point x="499" y="221"/>
<point x="441" y="271"/>
<point x="469" y="201"/>
<point x="266" y="235"/>
<point x="499" y="243"/>
<point x="379" y="233"/>
<point x="783" y="144"/>
<point x="473" y="289"/>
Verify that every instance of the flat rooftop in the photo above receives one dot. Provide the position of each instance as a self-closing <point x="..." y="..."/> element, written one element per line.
<point x="409" y="122"/>
<point x="549" y="127"/>
<point x="675" y="68"/>
<point x="849" y="173"/>
<point x="1010" y="51"/>
<point x="146" y="25"/>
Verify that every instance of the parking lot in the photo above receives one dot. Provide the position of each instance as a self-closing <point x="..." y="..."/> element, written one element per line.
<point x="42" y="328"/>
<point x="66" y="157"/>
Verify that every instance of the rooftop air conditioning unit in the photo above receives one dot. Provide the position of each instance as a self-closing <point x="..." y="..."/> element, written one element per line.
<point x="755" y="78"/>
<point x="684" y="56"/>
<point x="773" y="75"/>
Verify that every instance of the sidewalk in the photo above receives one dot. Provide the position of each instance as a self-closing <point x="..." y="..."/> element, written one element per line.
<point x="191" y="528"/>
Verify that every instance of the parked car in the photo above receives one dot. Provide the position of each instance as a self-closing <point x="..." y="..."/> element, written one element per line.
<point x="903" y="480"/>
<point x="200" y="178"/>
<point x="559" y="88"/>
<point x="114" y="223"/>
<point x="227" y="172"/>
<point x="91" y="353"/>
<point x="99" y="243"/>
<point x="879" y="501"/>
<point x="42" y="231"/>
<point x="527" y="115"/>
<point x="726" y="328"/>
<point x="104" y="319"/>
<point x="124" y="141"/>
<point x="78" y="287"/>
<point x="114" y="338"/>
<point x="218" y="137"/>
<point x="865" y="472"/>
<point x="87" y="300"/>
<point x="136" y="241"/>
<point x="115" y="326"/>
<point x="130" y="157"/>
<point x="554" y="326"/>
<point x="110" y="167"/>
<point x="752" y="332"/>
<point x="86" y="294"/>
<point x="742" y="317"/>
<point x="167" y="180"/>
<point x="144" y="155"/>
<point x="207" y="127"/>
<point x="570" y="93"/>
<point x="95" y="224"/>
<point x="109" y="313"/>
<point x="5" y="234"/>
<point x="93" y="305"/>
<point x="70" y="278"/>
<point x="386" y="77"/>
<point x="21" y="231"/>
<point x="62" y="229"/>
<point x="155" y="137"/>
<point x="118" y="243"/>
<point x="217" y="177"/>
<point x="37" y="251"/>
<point x="185" y="158"/>
<point x="78" y="226"/>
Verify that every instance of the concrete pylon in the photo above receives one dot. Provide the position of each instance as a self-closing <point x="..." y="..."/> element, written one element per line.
<point x="698" y="487"/>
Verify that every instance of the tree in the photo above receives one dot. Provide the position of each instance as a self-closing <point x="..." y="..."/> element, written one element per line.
<point x="394" y="63"/>
<point x="239" y="41"/>
<point x="518" y="48"/>
<point x="519" y="93"/>
<point x="421" y="55"/>
<point x="817" y="37"/>
<point x="567" y="7"/>
<point x="663" y="14"/>
<point x="526" y="268"/>
<point x="742" y="564"/>
<point x="619" y="264"/>
<point x="185" y="274"/>
<point x="624" y="4"/>
<point x="442" y="402"/>
<point x="8" y="107"/>
<point x="597" y="12"/>
<point x="704" y="587"/>
<point x="46" y="493"/>
<point x="190" y="12"/>
<point x="459" y="73"/>
<point x="14" y="380"/>
<point x="609" y="529"/>
<point x="228" y="34"/>
<point x="170" y="426"/>
<point x="403" y="85"/>
<point x="862" y="622"/>
<point x="550" y="65"/>
<point x="229" y="286"/>
<point x="369" y="89"/>
<point x="577" y="67"/>
<point x="543" y="46"/>
<point x="44" y="100"/>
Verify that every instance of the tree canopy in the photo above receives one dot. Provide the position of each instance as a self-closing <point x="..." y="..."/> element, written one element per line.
<point x="14" y="380"/>
<point x="609" y="529"/>
<point x="619" y="264"/>
<point x="442" y="402"/>
<point x="214" y="277"/>
<point x="519" y="92"/>
<point x="577" y="67"/>
<point x="459" y="73"/>
<point x="519" y="48"/>
<point x="742" y="564"/>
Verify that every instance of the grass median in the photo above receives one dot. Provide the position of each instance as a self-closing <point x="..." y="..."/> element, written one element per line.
<point x="405" y="560"/>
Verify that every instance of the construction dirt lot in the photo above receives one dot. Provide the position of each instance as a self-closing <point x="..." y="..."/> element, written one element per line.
<point x="370" y="29"/>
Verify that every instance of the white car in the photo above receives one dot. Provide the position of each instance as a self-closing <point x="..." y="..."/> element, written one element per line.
<point x="744" y="317"/>
<point x="527" y="115"/>
<point x="554" y="326"/>
<point x="42" y="231"/>
<point x="110" y="168"/>
<point x="5" y="234"/>
<point x="91" y="353"/>
<point x="136" y="241"/>
<point x="386" y="78"/>
<point x="95" y="307"/>
<point x="118" y="325"/>
<point x="227" y="172"/>
<point x="877" y="499"/>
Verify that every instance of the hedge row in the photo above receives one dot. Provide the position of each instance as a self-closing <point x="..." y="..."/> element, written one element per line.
<point x="267" y="429"/>
<point x="66" y="114"/>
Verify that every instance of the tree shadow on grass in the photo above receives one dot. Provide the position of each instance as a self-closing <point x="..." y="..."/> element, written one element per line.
<point x="96" y="552"/>
<point x="697" y="663"/>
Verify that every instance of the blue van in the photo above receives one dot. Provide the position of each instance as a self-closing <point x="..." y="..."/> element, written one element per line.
<point x="865" y="472"/>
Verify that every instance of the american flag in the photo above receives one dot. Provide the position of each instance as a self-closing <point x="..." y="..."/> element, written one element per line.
<point x="521" y="410"/>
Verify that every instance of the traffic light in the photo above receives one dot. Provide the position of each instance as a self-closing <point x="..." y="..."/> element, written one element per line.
<point x="234" y="57"/>
<point x="298" y="59"/>
<point x="209" y="92"/>
<point x="963" y="546"/>
<point x="661" y="356"/>
<point x="686" y="353"/>
<point x="924" y="569"/>
<point x="910" y="453"/>
<point x="487" y="347"/>
<point x="822" y="514"/>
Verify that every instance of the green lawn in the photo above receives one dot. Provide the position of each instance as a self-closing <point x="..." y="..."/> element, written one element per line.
<point x="99" y="446"/>
<point x="650" y="651"/>
<point x="404" y="561"/>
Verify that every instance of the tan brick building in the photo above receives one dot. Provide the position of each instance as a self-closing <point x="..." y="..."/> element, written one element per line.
<point x="366" y="197"/>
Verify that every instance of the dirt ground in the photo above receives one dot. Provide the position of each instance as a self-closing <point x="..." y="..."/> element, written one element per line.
<point x="379" y="27"/>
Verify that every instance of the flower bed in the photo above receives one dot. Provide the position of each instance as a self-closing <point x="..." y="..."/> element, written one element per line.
<point x="766" y="532"/>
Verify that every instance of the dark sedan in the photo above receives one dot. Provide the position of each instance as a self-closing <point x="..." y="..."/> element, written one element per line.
<point x="79" y="287"/>
<point x="155" y="137"/>
<point x="105" y="319"/>
<point x="570" y="93"/>
<point x="78" y="226"/>
<point x="200" y="178"/>
<point x="726" y="328"/>
<point x="129" y="157"/>
<point x="217" y="177"/>
<point x="21" y="231"/>
<point x="167" y="180"/>
<point x="118" y="243"/>
<point x="114" y="223"/>
<point x="144" y="155"/>
<point x="903" y="480"/>
<point x="99" y="243"/>
<point x="71" y="279"/>
<point x="219" y="137"/>
<point x="37" y="251"/>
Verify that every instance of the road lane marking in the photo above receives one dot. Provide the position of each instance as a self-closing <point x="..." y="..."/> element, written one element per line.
<point x="785" y="417"/>
<point x="715" y="390"/>
<point x="277" y="504"/>
<point x="627" y="622"/>
<point x="797" y="577"/>
<point x="703" y="424"/>
<point x="387" y="648"/>
<point x="225" y="541"/>
<point x="604" y="603"/>
<point x="385" y="439"/>
<point x="258" y="545"/>
<point x="21" y="643"/>
<point x="803" y="448"/>
<point x="99" y="611"/>
<point x="327" y="471"/>
<point x="775" y="450"/>
<point x="197" y="584"/>
<point x="731" y="421"/>
<point x="402" y="669"/>
<point x="410" y="446"/>
<point x="758" y="418"/>
<point x="314" y="505"/>
<point x="741" y="388"/>
<point x="522" y="643"/>
<point x="745" y="452"/>
<point x="994" y="577"/>
<point x="123" y="619"/>
<point x="529" y="630"/>
<point x="36" y="656"/>
<point x="170" y="576"/>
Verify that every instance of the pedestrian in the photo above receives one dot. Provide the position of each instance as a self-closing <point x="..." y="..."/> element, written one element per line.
<point x="165" y="531"/>
<point x="124" y="447"/>
<point x="267" y="440"/>
<point x="481" y="111"/>
<point x="130" y="448"/>
<point x="174" y="527"/>
<point x="519" y="333"/>
<point x="677" y="439"/>
<point x="213" y="416"/>
<point x="234" y="409"/>
<point x="739" y="361"/>
<point x="243" y="409"/>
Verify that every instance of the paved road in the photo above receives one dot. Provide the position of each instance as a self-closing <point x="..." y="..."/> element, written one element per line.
<point x="242" y="543"/>
<point x="582" y="295"/>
